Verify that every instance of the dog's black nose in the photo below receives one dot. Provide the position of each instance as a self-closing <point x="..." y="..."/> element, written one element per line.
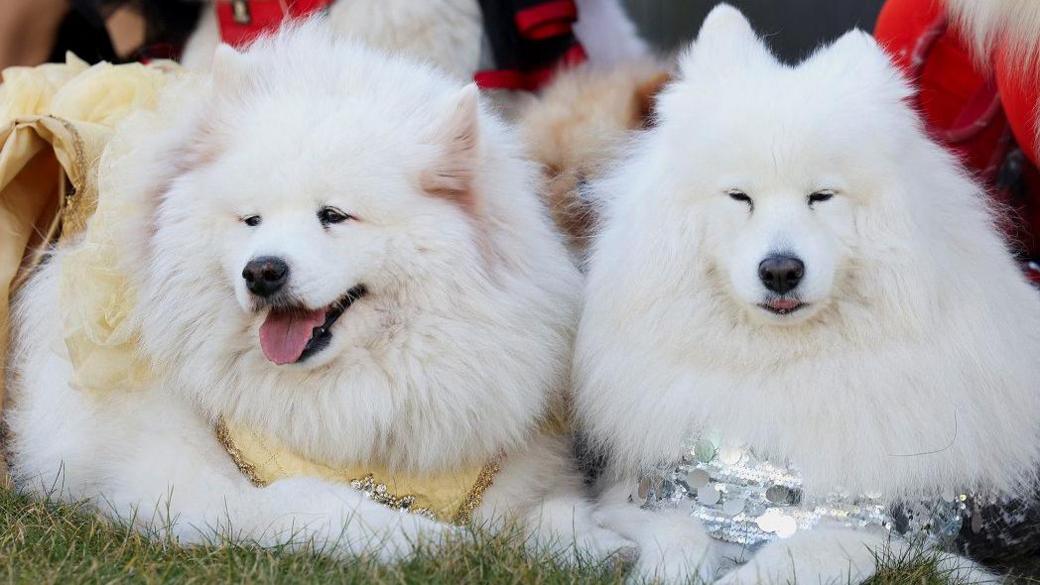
<point x="781" y="274"/>
<point x="265" y="275"/>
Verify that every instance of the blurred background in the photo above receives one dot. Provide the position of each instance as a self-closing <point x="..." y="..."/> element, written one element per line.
<point x="796" y="26"/>
<point x="36" y="31"/>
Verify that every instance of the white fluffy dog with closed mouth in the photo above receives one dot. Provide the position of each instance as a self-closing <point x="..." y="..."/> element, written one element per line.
<point x="788" y="261"/>
<point x="345" y="255"/>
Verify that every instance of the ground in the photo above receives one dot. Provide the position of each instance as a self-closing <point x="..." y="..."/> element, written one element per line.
<point x="45" y="543"/>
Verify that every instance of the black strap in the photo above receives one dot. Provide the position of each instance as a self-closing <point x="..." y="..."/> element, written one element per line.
<point x="509" y="48"/>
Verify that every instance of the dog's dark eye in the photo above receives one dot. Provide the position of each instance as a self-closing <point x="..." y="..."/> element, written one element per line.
<point x="820" y="196"/>
<point x="251" y="220"/>
<point x="330" y="215"/>
<point x="738" y="195"/>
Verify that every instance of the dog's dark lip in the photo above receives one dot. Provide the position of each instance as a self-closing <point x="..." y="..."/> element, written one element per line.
<point x="782" y="312"/>
<point x="321" y="335"/>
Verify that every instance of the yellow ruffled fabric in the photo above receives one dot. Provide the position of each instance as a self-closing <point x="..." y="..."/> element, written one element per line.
<point x="96" y="302"/>
<point x="96" y="297"/>
<point x="28" y="91"/>
<point x="100" y="94"/>
<point x="55" y="122"/>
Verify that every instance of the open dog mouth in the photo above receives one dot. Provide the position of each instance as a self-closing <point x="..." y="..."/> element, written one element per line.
<point x="292" y="334"/>
<point x="782" y="305"/>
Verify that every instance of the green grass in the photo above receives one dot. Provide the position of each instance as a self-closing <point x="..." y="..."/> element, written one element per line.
<point x="47" y="543"/>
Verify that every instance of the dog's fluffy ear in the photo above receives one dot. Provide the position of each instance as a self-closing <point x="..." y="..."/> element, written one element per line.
<point x="457" y="138"/>
<point x="725" y="41"/>
<point x="857" y="51"/>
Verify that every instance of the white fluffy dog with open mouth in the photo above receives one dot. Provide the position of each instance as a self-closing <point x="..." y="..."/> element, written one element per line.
<point x="346" y="257"/>
<point x="788" y="265"/>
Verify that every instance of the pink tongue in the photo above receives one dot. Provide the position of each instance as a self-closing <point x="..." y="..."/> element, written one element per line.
<point x="784" y="304"/>
<point x="283" y="336"/>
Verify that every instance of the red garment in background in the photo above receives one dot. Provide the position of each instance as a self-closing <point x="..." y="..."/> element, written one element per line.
<point x="979" y="112"/>
<point x="241" y="21"/>
<point x="530" y="39"/>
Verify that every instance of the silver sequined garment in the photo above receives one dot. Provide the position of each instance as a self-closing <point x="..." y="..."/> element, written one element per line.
<point x="744" y="499"/>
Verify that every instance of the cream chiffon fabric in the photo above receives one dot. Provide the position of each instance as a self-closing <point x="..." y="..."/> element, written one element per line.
<point x="55" y="122"/>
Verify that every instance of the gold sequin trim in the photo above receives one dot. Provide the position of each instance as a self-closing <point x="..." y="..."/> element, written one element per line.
<point x="380" y="493"/>
<point x="81" y="200"/>
<point x="247" y="468"/>
<point x="476" y="493"/>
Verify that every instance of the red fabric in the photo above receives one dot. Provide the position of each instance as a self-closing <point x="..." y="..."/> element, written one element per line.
<point x="501" y="79"/>
<point x="547" y="20"/>
<point x="1020" y="95"/>
<point x="548" y="30"/>
<point x="972" y="110"/>
<point x="528" y="80"/>
<point x="264" y="16"/>
<point x="950" y="88"/>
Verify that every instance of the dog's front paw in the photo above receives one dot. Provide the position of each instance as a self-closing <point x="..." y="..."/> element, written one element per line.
<point x="598" y="544"/>
<point x="564" y="528"/>
<point x="680" y="556"/>
<point x="344" y="522"/>
<point x="673" y="548"/>
<point x="842" y="556"/>
<point x="590" y="545"/>
<point x="814" y="556"/>
<point x="399" y="535"/>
